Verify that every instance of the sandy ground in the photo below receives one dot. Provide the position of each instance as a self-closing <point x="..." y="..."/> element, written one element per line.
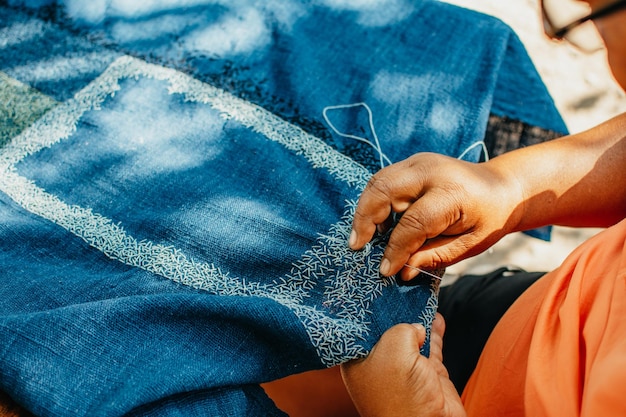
<point x="585" y="94"/>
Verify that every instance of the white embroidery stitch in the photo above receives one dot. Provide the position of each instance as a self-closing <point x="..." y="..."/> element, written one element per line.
<point x="334" y="327"/>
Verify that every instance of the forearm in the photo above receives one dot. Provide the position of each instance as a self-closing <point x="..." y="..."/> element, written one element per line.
<point x="578" y="180"/>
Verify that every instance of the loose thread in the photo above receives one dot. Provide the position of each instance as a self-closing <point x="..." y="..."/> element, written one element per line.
<point x="423" y="272"/>
<point x="472" y="146"/>
<point x="382" y="157"/>
<point x="376" y="145"/>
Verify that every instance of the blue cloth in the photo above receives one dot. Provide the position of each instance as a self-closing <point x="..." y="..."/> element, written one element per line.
<point x="173" y="228"/>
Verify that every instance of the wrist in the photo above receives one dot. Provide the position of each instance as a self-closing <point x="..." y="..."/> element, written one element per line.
<point x="510" y="195"/>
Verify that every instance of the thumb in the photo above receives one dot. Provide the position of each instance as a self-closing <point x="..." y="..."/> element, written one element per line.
<point x="443" y="251"/>
<point x="396" y="380"/>
<point x="400" y="340"/>
<point x="394" y="354"/>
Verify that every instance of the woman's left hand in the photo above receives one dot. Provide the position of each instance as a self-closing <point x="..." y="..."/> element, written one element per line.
<point x="396" y="380"/>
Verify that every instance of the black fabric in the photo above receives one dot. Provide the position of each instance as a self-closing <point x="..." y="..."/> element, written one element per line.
<point x="471" y="307"/>
<point x="505" y="134"/>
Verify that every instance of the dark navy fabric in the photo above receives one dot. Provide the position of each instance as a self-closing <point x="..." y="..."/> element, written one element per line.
<point x="173" y="231"/>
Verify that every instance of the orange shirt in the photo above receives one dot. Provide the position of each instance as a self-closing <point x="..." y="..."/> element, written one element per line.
<point x="560" y="350"/>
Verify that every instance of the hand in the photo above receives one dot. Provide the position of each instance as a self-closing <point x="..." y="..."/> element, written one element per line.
<point x="451" y="209"/>
<point x="396" y="380"/>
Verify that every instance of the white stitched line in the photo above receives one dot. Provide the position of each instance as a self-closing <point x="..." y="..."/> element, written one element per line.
<point x="335" y="337"/>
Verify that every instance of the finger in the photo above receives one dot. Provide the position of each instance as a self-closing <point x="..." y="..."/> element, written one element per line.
<point x="428" y="217"/>
<point x="410" y="272"/>
<point x="385" y="226"/>
<point x="436" y="254"/>
<point x="437" y="331"/>
<point x="401" y="338"/>
<point x="420" y="335"/>
<point x="392" y="189"/>
<point x="436" y="345"/>
<point x="386" y="382"/>
<point x="395" y="346"/>
<point x="444" y="251"/>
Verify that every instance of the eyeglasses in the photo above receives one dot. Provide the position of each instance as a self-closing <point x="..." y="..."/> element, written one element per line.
<point x="572" y="20"/>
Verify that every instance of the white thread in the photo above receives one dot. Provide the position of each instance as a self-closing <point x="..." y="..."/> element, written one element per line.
<point x="423" y="272"/>
<point x="472" y="146"/>
<point x="377" y="147"/>
<point x="335" y="337"/>
<point x="382" y="157"/>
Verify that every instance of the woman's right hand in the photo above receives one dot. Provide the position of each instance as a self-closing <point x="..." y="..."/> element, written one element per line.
<point x="451" y="210"/>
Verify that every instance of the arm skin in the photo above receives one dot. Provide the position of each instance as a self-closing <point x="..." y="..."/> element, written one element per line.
<point x="396" y="380"/>
<point x="454" y="209"/>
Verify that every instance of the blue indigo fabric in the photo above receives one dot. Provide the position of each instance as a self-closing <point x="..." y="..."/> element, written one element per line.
<point x="178" y="179"/>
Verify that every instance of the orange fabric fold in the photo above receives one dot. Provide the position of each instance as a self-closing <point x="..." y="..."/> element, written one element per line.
<point x="560" y="350"/>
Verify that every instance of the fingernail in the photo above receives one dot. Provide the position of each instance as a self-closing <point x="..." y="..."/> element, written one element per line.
<point x="411" y="274"/>
<point x="385" y="267"/>
<point x="352" y="240"/>
<point x="419" y="326"/>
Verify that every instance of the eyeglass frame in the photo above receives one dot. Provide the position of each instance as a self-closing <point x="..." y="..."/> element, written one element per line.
<point x="559" y="33"/>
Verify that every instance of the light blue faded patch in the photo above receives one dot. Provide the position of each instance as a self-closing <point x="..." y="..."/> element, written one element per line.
<point x="153" y="130"/>
<point x="285" y="13"/>
<point x="405" y="92"/>
<point x="240" y="223"/>
<point x="92" y="11"/>
<point x="408" y="92"/>
<point x="21" y="32"/>
<point x="374" y="13"/>
<point x="145" y="30"/>
<point x="238" y="33"/>
<point x="63" y="67"/>
<point x="140" y="8"/>
<point x="445" y="119"/>
<point x="243" y="29"/>
<point x="95" y="11"/>
<point x="20" y="106"/>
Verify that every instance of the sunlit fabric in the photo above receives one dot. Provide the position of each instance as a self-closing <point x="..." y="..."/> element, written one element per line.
<point x="178" y="179"/>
